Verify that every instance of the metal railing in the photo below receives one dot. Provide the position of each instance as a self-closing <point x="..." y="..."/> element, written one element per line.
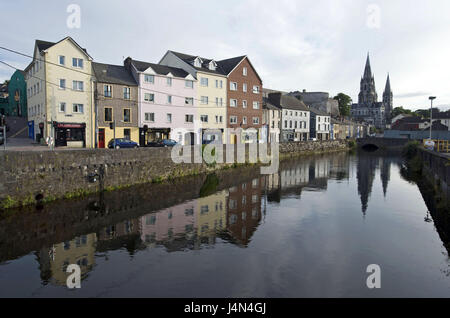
<point x="440" y="145"/>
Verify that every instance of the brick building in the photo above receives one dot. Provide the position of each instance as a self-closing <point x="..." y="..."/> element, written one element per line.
<point x="244" y="100"/>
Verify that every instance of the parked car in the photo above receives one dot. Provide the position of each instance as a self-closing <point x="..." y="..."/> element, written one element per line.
<point x="155" y="143"/>
<point x="122" y="143"/>
<point x="312" y="139"/>
<point x="169" y="142"/>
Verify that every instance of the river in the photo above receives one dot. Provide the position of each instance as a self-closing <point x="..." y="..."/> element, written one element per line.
<point x="310" y="230"/>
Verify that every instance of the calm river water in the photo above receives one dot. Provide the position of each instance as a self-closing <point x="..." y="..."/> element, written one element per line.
<point x="309" y="231"/>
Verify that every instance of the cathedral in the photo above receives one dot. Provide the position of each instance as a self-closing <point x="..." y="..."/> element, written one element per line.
<point x="368" y="108"/>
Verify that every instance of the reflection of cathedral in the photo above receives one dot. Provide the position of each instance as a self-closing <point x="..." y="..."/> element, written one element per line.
<point x="365" y="175"/>
<point x="366" y="170"/>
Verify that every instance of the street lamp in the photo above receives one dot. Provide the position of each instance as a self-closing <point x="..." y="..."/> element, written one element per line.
<point x="431" y="98"/>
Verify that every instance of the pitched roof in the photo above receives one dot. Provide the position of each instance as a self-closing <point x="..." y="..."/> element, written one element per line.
<point x="267" y="104"/>
<point x="159" y="69"/>
<point x="113" y="74"/>
<point x="287" y="102"/>
<point x="205" y="65"/>
<point x="229" y="64"/>
<point x="318" y="112"/>
<point x="44" y="45"/>
<point x="442" y="115"/>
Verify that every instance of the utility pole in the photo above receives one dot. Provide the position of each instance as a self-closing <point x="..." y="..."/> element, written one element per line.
<point x="431" y="98"/>
<point x="114" y="123"/>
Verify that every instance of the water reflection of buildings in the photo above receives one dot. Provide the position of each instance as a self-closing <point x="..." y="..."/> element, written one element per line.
<point x="244" y="210"/>
<point x="53" y="261"/>
<point x="298" y="175"/>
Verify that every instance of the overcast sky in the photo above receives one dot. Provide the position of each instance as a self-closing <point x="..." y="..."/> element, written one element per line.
<point x="316" y="45"/>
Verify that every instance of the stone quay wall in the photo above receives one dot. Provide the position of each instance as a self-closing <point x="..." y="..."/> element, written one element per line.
<point x="30" y="176"/>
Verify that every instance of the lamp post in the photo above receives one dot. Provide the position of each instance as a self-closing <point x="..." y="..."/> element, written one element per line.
<point x="431" y="98"/>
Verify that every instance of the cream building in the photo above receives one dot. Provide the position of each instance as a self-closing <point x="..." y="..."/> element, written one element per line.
<point x="60" y="93"/>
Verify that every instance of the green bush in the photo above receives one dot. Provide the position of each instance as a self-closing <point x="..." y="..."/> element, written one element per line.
<point x="410" y="150"/>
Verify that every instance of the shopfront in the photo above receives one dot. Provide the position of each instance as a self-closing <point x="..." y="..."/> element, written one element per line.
<point x="147" y="135"/>
<point x="70" y="134"/>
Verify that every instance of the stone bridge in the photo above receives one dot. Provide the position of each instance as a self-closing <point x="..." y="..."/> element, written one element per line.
<point x="381" y="143"/>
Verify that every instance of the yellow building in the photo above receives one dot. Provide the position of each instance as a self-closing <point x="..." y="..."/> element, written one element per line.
<point x="60" y="93"/>
<point x="54" y="261"/>
<point x="212" y="214"/>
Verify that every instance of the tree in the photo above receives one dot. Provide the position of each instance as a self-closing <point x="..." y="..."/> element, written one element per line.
<point x="344" y="102"/>
<point x="400" y="110"/>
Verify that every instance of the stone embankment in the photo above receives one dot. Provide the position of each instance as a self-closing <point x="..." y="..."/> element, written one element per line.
<point x="30" y="177"/>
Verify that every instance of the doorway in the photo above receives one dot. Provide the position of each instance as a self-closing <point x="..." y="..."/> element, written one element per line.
<point x="101" y="138"/>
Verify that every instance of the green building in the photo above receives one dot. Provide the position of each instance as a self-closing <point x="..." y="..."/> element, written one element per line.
<point x="17" y="99"/>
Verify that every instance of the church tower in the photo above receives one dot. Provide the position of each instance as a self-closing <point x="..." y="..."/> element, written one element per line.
<point x="388" y="100"/>
<point x="367" y="95"/>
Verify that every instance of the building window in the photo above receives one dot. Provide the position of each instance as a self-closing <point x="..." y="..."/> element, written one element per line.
<point x="77" y="85"/>
<point x="169" y="99"/>
<point x="189" y="101"/>
<point x="285" y="124"/>
<point x="219" y="119"/>
<point x="108" y="114"/>
<point x="189" y="118"/>
<point x="204" y="118"/>
<point x="149" y="117"/>
<point x="189" y="84"/>
<point x="78" y="108"/>
<point x="149" y="97"/>
<point x="244" y="120"/>
<point x="127" y="115"/>
<point x="62" y="60"/>
<point x="244" y="87"/>
<point x="204" y="100"/>
<point x="169" y="118"/>
<point x="256" y="89"/>
<point x="169" y="81"/>
<point x="77" y="62"/>
<point x="62" y="107"/>
<point x="107" y="90"/>
<point x="219" y="83"/>
<point x="244" y="104"/>
<point x="126" y="93"/>
<point x="255" y="120"/>
<point x="149" y="78"/>
<point x="233" y="120"/>
<point x="244" y="71"/>
<point x="233" y="86"/>
<point x="255" y="105"/>
<point x="233" y="102"/>
<point x="204" y="81"/>
<point x="62" y="83"/>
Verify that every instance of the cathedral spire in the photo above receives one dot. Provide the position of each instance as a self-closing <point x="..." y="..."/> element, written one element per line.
<point x="367" y="69"/>
<point x="388" y="85"/>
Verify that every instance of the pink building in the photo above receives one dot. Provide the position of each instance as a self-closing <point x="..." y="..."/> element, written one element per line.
<point x="169" y="223"/>
<point x="166" y="101"/>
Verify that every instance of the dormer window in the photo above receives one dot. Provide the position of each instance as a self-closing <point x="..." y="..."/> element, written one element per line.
<point x="212" y="65"/>
<point x="198" y="62"/>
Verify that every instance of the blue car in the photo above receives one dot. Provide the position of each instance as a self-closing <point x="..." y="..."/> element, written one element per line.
<point x="122" y="143"/>
<point x="169" y="142"/>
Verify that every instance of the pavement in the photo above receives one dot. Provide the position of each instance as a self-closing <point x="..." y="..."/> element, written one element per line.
<point x="26" y="144"/>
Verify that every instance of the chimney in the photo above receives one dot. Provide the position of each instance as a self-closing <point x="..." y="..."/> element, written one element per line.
<point x="127" y="63"/>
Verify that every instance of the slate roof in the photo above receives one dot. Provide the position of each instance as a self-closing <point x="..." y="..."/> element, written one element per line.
<point x="318" y="112"/>
<point x="229" y="64"/>
<point x="190" y="59"/>
<point x="113" y="74"/>
<point x="287" y="102"/>
<point x="437" y="125"/>
<point x="267" y="104"/>
<point x="159" y="69"/>
<point x="44" y="45"/>
<point x="442" y="115"/>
